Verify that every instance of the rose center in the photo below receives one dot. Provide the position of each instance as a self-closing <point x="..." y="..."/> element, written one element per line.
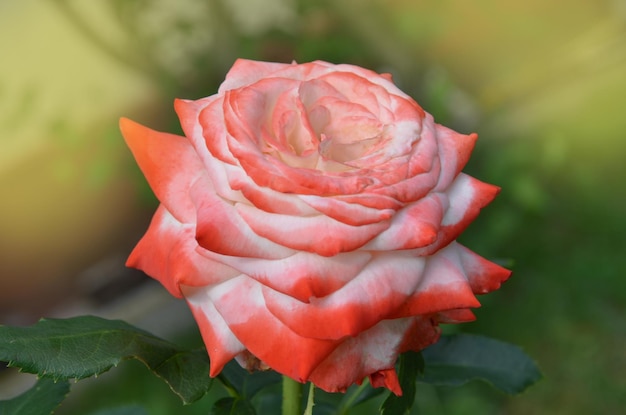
<point x="316" y="126"/>
<point x="346" y="135"/>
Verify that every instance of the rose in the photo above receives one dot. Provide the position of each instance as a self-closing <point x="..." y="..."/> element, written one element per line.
<point x="309" y="219"/>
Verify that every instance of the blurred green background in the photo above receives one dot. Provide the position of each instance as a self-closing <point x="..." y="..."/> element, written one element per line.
<point x="543" y="83"/>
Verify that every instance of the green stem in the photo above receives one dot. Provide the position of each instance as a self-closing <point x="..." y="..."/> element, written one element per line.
<point x="292" y="397"/>
<point x="310" y="400"/>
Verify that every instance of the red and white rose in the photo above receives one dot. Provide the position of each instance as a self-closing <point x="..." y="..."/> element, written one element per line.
<point x="309" y="218"/>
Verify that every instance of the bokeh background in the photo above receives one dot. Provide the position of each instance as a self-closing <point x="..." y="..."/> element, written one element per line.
<point x="543" y="83"/>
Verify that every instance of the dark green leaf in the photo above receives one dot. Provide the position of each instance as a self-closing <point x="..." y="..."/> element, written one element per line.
<point x="341" y="403"/>
<point x="85" y="346"/>
<point x="233" y="375"/>
<point x="324" y="409"/>
<point x="459" y="358"/>
<point x="270" y="401"/>
<point x="187" y="374"/>
<point x="246" y="383"/>
<point x="366" y="394"/>
<point x="327" y="403"/>
<point x="42" y="399"/>
<point x="410" y="364"/>
<point x="232" y="406"/>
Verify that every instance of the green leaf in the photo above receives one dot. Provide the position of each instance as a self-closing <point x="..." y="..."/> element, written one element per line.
<point x="459" y="358"/>
<point x="341" y="403"/>
<point x="366" y="394"/>
<point x="43" y="398"/>
<point x="270" y="401"/>
<point x="355" y="396"/>
<point x="410" y="364"/>
<point x="245" y="383"/>
<point x="86" y="346"/>
<point x="232" y="406"/>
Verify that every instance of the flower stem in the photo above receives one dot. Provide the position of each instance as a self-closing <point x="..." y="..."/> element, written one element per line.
<point x="292" y="397"/>
<point x="310" y="400"/>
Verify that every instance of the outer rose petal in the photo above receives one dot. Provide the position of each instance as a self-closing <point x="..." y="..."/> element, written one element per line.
<point x="167" y="252"/>
<point x="460" y="315"/>
<point x="222" y="345"/>
<point x="169" y="163"/>
<point x="444" y="286"/>
<point x="373" y="77"/>
<point x="454" y="153"/>
<point x="245" y="72"/>
<point x="303" y="275"/>
<point x="484" y="276"/>
<point x="381" y="344"/>
<point x="466" y="197"/>
<point x="264" y="335"/>
<point x="377" y="292"/>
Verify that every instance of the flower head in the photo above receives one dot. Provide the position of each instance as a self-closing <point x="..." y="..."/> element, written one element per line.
<point x="309" y="219"/>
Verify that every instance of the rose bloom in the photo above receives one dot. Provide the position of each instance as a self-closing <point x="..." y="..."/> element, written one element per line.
<point x="309" y="217"/>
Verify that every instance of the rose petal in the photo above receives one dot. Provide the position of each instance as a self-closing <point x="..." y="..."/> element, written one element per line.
<point x="423" y="332"/>
<point x="291" y="129"/>
<point x="274" y="173"/>
<point x="167" y="252"/>
<point x="380" y="345"/>
<point x="169" y="163"/>
<point x="340" y="88"/>
<point x="415" y="226"/>
<point x="264" y="335"/>
<point x="202" y="122"/>
<point x="411" y="189"/>
<point x="466" y="197"/>
<point x="375" y="201"/>
<point x="319" y="234"/>
<point x="484" y="276"/>
<point x="422" y="170"/>
<point x="461" y="315"/>
<point x="373" y="353"/>
<point x="398" y="152"/>
<point x="245" y="72"/>
<point x="302" y="275"/>
<point x="348" y="213"/>
<point x="270" y="200"/>
<point x="370" y="76"/>
<point x="311" y="91"/>
<point x="382" y="286"/>
<point x="221" y="343"/>
<point x="444" y="286"/>
<point x="454" y="153"/>
<point x="221" y="229"/>
<point x="209" y="142"/>
<point x="386" y="378"/>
